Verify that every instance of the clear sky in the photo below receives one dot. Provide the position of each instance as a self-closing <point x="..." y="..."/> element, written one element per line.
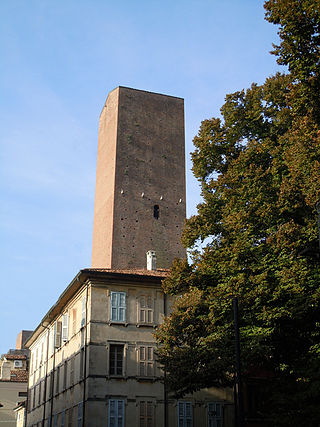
<point x="58" y="61"/>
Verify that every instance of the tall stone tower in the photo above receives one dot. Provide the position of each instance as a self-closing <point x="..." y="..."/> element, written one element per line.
<point x="140" y="184"/>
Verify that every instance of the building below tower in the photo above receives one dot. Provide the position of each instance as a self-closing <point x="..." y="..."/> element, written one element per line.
<point x="93" y="359"/>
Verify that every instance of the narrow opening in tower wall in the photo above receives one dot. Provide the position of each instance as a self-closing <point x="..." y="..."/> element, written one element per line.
<point x="156" y="211"/>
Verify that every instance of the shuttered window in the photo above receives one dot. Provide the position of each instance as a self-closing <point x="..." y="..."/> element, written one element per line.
<point x="118" y="306"/>
<point x="184" y="414"/>
<point x="215" y="415"/>
<point x="146" y="418"/>
<point x="145" y="309"/>
<point x="146" y="363"/>
<point x="116" y="413"/>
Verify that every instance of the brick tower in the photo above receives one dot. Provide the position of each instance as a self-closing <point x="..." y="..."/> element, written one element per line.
<point x="140" y="183"/>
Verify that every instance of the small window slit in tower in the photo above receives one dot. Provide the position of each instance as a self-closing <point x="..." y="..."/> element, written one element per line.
<point x="156" y="211"/>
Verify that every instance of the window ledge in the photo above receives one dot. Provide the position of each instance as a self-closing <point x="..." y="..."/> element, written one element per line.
<point x="114" y="322"/>
<point x="117" y="377"/>
<point x="148" y="379"/>
<point x="148" y="325"/>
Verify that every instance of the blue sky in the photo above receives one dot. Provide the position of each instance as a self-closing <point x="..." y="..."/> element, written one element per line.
<point x="59" y="60"/>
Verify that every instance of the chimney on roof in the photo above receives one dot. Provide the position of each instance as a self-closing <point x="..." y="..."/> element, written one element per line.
<point x="151" y="260"/>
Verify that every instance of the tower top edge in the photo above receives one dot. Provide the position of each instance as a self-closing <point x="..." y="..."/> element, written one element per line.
<point x="118" y="88"/>
<point x="148" y="91"/>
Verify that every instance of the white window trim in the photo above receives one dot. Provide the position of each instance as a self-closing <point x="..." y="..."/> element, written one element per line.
<point x="83" y="311"/>
<point x="65" y="327"/>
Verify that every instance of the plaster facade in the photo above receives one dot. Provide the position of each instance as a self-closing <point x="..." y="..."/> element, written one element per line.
<point x="94" y="365"/>
<point x="13" y="384"/>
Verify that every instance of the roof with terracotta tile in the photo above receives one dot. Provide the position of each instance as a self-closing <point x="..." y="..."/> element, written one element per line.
<point x="160" y="272"/>
<point x="15" y="356"/>
<point x="17" y="375"/>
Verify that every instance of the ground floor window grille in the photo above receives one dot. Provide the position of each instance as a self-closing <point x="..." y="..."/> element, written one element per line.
<point x="116" y="413"/>
<point x="146" y="414"/>
<point x="184" y="414"/>
<point x="215" y="414"/>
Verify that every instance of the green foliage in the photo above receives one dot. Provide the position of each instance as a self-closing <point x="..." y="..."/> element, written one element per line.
<point x="259" y="171"/>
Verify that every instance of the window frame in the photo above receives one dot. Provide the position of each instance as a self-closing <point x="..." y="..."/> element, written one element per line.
<point x="145" y="310"/>
<point x="184" y="418"/>
<point x="80" y="412"/>
<point x="144" y="419"/>
<point x="146" y="361"/>
<point x="116" y="417"/>
<point x="65" y="327"/>
<point x="113" y="363"/>
<point x="117" y="306"/>
<point x="213" y="418"/>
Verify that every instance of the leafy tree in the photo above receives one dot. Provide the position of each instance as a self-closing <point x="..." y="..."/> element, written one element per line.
<point x="259" y="169"/>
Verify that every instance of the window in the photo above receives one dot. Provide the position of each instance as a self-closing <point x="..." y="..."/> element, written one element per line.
<point x="116" y="413"/>
<point x="145" y="309"/>
<point x="156" y="211"/>
<point x="74" y="321"/>
<point x="80" y="415"/>
<point x="22" y="394"/>
<point x="39" y="393"/>
<point x="57" y="334"/>
<point x="17" y="364"/>
<point x="215" y="414"/>
<point x="116" y="359"/>
<point x="70" y="417"/>
<point x="72" y="371"/>
<point x="34" y="397"/>
<point x="65" y="324"/>
<point x="55" y="420"/>
<point x="118" y="306"/>
<point x="41" y="354"/>
<point x="51" y="384"/>
<point x="62" y="418"/>
<point x="146" y="414"/>
<point x="184" y="414"/>
<point x="36" y="360"/>
<point x="83" y="312"/>
<point x="81" y="364"/>
<point x="58" y="380"/>
<point x="146" y="361"/>
<point x="65" y="373"/>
